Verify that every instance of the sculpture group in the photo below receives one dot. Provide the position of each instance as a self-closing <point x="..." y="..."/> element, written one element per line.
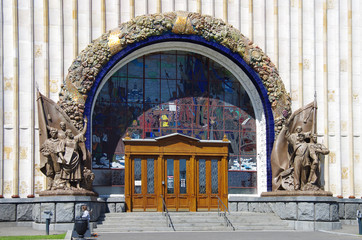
<point x="63" y="153"/>
<point x="297" y="155"/>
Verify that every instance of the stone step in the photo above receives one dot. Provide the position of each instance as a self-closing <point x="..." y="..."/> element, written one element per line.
<point x="145" y="229"/>
<point x="190" y="221"/>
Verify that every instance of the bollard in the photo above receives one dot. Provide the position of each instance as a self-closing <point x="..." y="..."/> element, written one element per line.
<point x="359" y="217"/>
<point x="48" y="215"/>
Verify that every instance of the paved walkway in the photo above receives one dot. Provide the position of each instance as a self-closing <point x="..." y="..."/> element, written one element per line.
<point x="347" y="232"/>
<point x="285" y="235"/>
<point x="8" y="229"/>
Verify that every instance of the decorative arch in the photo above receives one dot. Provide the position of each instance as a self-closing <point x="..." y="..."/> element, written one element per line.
<point x="99" y="57"/>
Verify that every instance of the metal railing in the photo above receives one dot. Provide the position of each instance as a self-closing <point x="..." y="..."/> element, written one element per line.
<point x="223" y="213"/>
<point x="166" y="214"/>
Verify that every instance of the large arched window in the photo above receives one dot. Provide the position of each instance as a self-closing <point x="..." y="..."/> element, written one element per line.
<point x="174" y="92"/>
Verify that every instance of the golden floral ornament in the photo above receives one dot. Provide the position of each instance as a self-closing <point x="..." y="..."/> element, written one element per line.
<point x="37" y="170"/>
<point x="182" y="24"/>
<point x="23" y="187"/>
<point x="332" y="157"/>
<point x="54" y="88"/>
<point x="7" y="187"/>
<point x="23" y="153"/>
<point x="38" y="186"/>
<point x="8" y="151"/>
<point x="8" y="85"/>
<point x="345" y="172"/>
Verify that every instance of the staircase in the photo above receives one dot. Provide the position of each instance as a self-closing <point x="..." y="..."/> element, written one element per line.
<point x="189" y="221"/>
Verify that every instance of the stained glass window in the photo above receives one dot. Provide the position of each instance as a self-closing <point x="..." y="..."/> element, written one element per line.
<point x="176" y="92"/>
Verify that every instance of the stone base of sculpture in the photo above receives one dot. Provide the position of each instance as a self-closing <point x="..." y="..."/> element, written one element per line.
<point x="281" y="193"/>
<point x="67" y="192"/>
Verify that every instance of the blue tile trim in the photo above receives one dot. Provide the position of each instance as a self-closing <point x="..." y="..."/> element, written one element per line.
<point x="235" y="57"/>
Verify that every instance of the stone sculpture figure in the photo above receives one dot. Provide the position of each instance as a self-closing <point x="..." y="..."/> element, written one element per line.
<point x="88" y="177"/>
<point x="50" y="149"/>
<point x="316" y="150"/>
<point x="71" y="165"/>
<point x="300" y="160"/>
<point x="61" y="131"/>
<point x="64" y="156"/>
<point x="295" y="158"/>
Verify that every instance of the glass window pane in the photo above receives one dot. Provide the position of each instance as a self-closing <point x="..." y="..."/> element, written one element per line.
<point x="168" y="90"/>
<point x="170" y="176"/>
<point x="183" y="176"/>
<point x="174" y="91"/>
<point x="202" y="176"/>
<point x="135" y="68"/>
<point x="137" y="176"/>
<point x="135" y="90"/>
<point x="168" y="66"/>
<point x="214" y="176"/>
<point x="152" y="91"/>
<point x="150" y="175"/>
<point x="152" y="65"/>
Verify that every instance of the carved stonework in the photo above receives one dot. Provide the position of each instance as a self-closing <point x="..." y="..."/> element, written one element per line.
<point x="296" y="156"/>
<point x="63" y="154"/>
<point x="83" y="71"/>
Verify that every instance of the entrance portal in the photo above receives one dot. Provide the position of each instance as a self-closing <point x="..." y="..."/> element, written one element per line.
<point x="187" y="173"/>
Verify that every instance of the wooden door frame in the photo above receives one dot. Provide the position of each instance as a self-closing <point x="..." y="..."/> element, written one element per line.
<point x="181" y="146"/>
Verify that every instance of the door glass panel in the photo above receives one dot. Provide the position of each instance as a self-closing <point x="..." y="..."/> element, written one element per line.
<point x="202" y="176"/>
<point x="214" y="176"/>
<point x="182" y="176"/>
<point x="137" y="175"/>
<point x="150" y="175"/>
<point x="170" y="176"/>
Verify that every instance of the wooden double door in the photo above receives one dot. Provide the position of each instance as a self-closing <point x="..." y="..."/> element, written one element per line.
<point x="187" y="173"/>
<point x="185" y="183"/>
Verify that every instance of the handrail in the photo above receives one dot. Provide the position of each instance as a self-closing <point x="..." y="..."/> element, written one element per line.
<point x="167" y="215"/>
<point x="227" y="220"/>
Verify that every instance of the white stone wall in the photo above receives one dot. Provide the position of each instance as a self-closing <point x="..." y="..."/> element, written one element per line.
<point x="315" y="44"/>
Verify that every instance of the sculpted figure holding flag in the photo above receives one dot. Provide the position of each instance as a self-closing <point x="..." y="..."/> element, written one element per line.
<point x="296" y="155"/>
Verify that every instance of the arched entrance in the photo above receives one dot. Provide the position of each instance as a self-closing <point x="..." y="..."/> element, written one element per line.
<point x="219" y="42"/>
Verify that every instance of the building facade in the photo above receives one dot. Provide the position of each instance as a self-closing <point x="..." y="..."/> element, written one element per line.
<point x="178" y="81"/>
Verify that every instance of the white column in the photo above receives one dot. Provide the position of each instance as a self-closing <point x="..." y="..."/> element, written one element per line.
<point x="334" y="97"/>
<point x="55" y="49"/>
<point x="97" y="18"/>
<point x="284" y="43"/>
<point x="259" y="23"/>
<point x="270" y="26"/>
<point x="68" y="34"/>
<point x="207" y="7"/>
<point x="2" y="102"/>
<point x="9" y="87"/>
<point x="356" y="80"/>
<point x="294" y="55"/>
<point x="25" y="97"/>
<point x="192" y="5"/>
<point x="245" y="18"/>
<point x="169" y="5"/>
<point x="308" y="52"/>
<point x="218" y="9"/>
<point x="233" y="14"/>
<point x="40" y="76"/>
<point x="343" y="83"/>
<point x="322" y="96"/>
<point x="84" y="23"/>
